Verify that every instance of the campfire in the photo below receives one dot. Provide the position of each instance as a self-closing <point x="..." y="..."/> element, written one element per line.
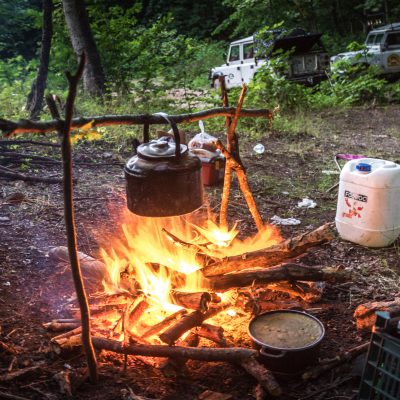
<point x="176" y="280"/>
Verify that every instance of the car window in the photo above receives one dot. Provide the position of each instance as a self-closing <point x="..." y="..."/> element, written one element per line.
<point x="393" y="39"/>
<point x="378" y="38"/>
<point x="370" y="39"/>
<point x="248" y="50"/>
<point x="234" y="54"/>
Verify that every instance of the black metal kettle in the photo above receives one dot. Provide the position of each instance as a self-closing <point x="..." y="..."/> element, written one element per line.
<point x="164" y="178"/>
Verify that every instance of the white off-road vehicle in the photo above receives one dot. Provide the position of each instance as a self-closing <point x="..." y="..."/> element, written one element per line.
<point x="382" y="49"/>
<point x="308" y="60"/>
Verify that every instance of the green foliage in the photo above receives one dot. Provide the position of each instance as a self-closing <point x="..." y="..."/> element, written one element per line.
<point x="270" y="87"/>
<point x="19" y="28"/>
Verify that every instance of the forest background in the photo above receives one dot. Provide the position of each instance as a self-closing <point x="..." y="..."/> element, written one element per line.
<point x="155" y="55"/>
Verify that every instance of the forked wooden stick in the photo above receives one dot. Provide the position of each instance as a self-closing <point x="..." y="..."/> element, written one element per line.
<point x="243" y="183"/>
<point x="64" y="129"/>
<point x="232" y="147"/>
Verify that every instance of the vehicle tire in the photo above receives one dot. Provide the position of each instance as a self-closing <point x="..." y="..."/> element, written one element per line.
<point x="215" y="83"/>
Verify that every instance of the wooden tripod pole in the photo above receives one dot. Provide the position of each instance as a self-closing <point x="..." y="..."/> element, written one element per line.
<point x="232" y="145"/>
<point x="243" y="183"/>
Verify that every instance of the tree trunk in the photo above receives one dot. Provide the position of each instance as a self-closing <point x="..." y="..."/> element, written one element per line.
<point x="34" y="102"/>
<point x="82" y="40"/>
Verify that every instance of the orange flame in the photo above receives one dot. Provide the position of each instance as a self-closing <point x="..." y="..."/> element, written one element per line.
<point x="149" y="257"/>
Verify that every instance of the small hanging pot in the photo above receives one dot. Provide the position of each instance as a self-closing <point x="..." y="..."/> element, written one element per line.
<point x="164" y="178"/>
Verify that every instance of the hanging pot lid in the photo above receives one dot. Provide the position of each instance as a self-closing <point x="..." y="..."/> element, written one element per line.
<point x="160" y="149"/>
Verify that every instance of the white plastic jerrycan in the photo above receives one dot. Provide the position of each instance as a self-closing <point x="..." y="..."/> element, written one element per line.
<point x="368" y="208"/>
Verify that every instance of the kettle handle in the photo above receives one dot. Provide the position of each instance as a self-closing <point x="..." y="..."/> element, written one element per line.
<point x="175" y="131"/>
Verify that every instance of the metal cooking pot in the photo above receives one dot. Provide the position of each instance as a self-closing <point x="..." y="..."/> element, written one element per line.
<point x="164" y="178"/>
<point x="286" y="360"/>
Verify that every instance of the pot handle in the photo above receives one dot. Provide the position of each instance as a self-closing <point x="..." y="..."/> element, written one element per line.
<point x="271" y="355"/>
<point x="175" y="131"/>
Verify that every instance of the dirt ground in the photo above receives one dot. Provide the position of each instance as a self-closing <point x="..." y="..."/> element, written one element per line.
<point x="34" y="290"/>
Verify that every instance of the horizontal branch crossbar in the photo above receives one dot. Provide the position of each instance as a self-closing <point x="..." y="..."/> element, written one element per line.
<point x="27" y="126"/>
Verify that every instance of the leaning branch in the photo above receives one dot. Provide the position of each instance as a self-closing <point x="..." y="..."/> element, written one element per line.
<point x="10" y="128"/>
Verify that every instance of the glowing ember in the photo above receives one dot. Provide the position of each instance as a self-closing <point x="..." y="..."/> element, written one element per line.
<point x="231" y="313"/>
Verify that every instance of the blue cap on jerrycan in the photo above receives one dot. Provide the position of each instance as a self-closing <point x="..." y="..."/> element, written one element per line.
<point x="363" y="167"/>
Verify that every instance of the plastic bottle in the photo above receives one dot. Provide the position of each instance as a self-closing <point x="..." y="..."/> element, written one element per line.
<point x="259" y="148"/>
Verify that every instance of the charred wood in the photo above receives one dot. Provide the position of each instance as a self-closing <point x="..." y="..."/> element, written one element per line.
<point x="192" y="301"/>
<point x="283" y="272"/>
<point x="187" y="322"/>
<point x="212" y="333"/>
<point x="165" y="323"/>
<point x="272" y="255"/>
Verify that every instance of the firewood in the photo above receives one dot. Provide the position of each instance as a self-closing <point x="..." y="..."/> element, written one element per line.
<point x="263" y="376"/>
<point x="253" y="367"/>
<point x="137" y="310"/>
<point x="65" y="335"/>
<point x="270" y="256"/>
<point x="365" y="313"/>
<point x="213" y="333"/>
<point x="188" y="322"/>
<point x="192" y="301"/>
<point x="55" y="326"/>
<point x="21" y="372"/>
<point x="66" y="345"/>
<point x="283" y="272"/>
<point x="91" y="268"/>
<point x="165" y="323"/>
<point x="235" y="354"/>
<point x="171" y="367"/>
<point x="342" y="358"/>
<point x="310" y="292"/>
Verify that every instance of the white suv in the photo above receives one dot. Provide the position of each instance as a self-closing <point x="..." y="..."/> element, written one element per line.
<point x="307" y="63"/>
<point x="382" y="50"/>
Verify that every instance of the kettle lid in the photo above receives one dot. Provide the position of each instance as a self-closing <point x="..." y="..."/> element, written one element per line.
<point x="161" y="149"/>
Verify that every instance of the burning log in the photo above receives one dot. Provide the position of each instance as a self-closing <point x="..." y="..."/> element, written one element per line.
<point x="137" y="311"/>
<point x="270" y="256"/>
<point x="187" y="322"/>
<point x="192" y="301"/>
<point x="213" y="333"/>
<point x="365" y="313"/>
<point x="165" y="323"/>
<point x="283" y="272"/>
